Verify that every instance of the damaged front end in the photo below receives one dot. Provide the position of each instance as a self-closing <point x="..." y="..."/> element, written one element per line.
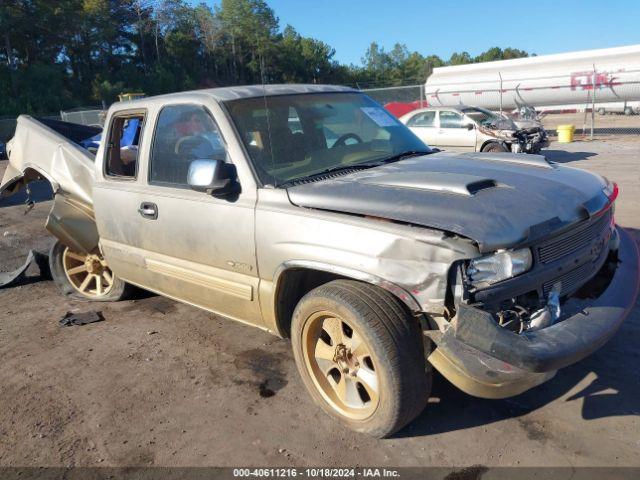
<point x="521" y="140"/>
<point x="47" y="150"/>
<point x="519" y="318"/>
<point x="530" y="140"/>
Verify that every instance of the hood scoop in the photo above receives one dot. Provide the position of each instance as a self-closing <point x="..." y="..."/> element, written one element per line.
<point x="458" y="184"/>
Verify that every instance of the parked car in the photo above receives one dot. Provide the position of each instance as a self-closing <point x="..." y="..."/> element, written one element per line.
<point x="311" y="212"/>
<point x="3" y="151"/>
<point x="473" y="129"/>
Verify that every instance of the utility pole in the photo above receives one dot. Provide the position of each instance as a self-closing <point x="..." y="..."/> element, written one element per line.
<point x="500" y="75"/>
<point x="593" y="100"/>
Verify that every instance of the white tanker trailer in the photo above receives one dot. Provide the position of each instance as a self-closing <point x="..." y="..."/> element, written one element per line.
<point x="546" y="80"/>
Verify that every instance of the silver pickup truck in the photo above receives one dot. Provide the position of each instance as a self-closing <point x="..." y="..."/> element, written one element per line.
<point x="312" y="213"/>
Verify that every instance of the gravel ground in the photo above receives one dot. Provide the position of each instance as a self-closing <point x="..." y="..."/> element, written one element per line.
<point x="161" y="383"/>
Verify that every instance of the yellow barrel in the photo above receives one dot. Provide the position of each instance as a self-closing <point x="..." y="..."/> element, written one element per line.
<point x="565" y="133"/>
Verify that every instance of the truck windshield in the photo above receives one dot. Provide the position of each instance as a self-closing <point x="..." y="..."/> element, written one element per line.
<point x="291" y="137"/>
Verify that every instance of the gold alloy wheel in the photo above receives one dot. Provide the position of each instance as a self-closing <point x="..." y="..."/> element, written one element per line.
<point x="341" y="365"/>
<point x="88" y="274"/>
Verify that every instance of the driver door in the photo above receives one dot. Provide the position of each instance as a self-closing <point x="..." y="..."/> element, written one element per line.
<point x="185" y="244"/>
<point x="453" y="132"/>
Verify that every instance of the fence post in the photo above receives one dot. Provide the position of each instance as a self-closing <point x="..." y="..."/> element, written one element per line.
<point x="593" y="101"/>
<point x="500" y="75"/>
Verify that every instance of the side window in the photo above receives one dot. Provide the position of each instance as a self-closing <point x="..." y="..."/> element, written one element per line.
<point x="450" y="119"/>
<point x="183" y="133"/>
<point x="424" y="119"/>
<point x="122" y="147"/>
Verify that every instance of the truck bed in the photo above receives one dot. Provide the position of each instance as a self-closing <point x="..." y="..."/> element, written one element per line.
<point x="50" y="150"/>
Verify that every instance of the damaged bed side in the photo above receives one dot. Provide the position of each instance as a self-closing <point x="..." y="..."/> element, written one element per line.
<point x="50" y="150"/>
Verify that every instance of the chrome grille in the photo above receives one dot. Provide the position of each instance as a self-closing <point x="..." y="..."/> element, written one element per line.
<point x="578" y="239"/>
<point x="570" y="281"/>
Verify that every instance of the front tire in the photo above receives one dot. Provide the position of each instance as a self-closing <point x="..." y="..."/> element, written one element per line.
<point x="494" y="147"/>
<point x="84" y="276"/>
<point x="361" y="356"/>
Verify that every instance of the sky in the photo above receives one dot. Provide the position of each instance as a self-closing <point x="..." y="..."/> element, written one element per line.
<point x="444" y="27"/>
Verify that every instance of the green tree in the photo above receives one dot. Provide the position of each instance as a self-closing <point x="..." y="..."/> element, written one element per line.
<point x="65" y="53"/>
<point x="250" y="28"/>
<point x="460" y="58"/>
<point x="497" y="53"/>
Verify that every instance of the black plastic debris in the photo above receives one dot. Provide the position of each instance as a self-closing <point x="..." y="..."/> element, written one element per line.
<point x="16" y="277"/>
<point x="70" y="319"/>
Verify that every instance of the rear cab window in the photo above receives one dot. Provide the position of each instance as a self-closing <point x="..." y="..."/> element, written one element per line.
<point x="123" y="142"/>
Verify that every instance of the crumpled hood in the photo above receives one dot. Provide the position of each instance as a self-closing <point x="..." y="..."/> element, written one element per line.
<point x="499" y="201"/>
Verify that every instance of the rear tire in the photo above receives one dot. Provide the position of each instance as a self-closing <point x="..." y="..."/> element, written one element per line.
<point x="361" y="356"/>
<point x="494" y="147"/>
<point x="85" y="277"/>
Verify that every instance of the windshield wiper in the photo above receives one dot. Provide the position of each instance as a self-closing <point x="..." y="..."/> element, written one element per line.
<point x="326" y="171"/>
<point x="401" y="156"/>
<point x="377" y="163"/>
<point x="358" y="166"/>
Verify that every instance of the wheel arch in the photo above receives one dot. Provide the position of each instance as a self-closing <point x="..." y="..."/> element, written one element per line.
<point x="294" y="279"/>
<point x="20" y="179"/>
<point x="490" y="141"/>
<point x="70" y="220"/>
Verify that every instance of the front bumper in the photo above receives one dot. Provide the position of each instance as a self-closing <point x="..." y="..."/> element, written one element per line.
<point x="535" y="143"/>
<point x="486" y="360"/>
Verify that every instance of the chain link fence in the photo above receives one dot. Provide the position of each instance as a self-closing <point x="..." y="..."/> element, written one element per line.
<point x="91" y="116"/>
<point x="408" y="94"/>
<point x="595" y="103"/>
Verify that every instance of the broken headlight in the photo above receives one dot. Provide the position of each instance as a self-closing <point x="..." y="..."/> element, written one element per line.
<point x="494" y="268"/>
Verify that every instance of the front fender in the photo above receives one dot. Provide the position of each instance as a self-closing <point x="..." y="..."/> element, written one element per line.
<point x="402" y="294"/>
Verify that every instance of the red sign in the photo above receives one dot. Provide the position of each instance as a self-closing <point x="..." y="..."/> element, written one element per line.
<point x="586" y="80"/>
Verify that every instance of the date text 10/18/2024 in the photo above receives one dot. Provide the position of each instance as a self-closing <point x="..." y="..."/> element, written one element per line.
<point x="316" y="472"/>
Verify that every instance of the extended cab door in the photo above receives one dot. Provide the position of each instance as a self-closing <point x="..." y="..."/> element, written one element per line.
<point x="158" y="233"/>
<point x="423" y="124"/>
<point x="453" y="132"/>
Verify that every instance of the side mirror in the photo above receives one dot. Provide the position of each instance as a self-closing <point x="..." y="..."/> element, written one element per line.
<point x="470" y="126"/>
<point x="214" y="177"/>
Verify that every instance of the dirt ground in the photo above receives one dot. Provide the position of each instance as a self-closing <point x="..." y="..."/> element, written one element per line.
<point x="161" y="383"/>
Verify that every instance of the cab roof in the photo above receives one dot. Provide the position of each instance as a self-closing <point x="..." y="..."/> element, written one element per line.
<point x="249" y="91"/>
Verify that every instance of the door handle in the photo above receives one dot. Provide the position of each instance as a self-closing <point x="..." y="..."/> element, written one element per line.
<point x="148" y="210"/>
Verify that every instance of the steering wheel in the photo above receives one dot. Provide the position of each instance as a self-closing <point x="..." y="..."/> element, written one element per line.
<point x="191" y="141"/>
<point x="340" y="142"/>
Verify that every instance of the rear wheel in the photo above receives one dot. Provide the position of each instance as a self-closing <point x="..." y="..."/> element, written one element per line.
<point x="494" y="147"/>
<point x="84" y="276"/>
<point x="360" y="356"/>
